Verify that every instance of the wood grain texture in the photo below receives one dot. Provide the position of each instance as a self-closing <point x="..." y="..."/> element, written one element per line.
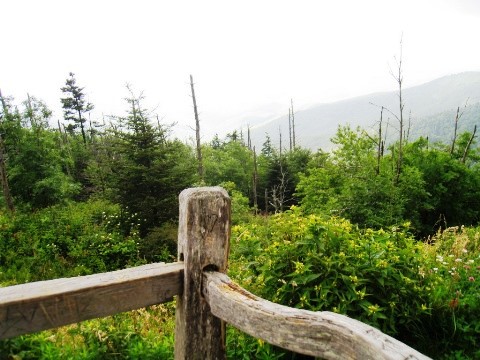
<point x="323" y="334"/>
<point x="44" y="305"/>
<point x="203" y="243"/>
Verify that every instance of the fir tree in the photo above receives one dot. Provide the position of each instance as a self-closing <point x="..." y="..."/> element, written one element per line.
<point x="74" y="105"/>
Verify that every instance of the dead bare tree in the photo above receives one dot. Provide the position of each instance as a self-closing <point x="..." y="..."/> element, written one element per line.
<point x="398" y="76"/>
<point x="266" y="201"/>
<point x="380" y="143"/>
<point x="409" y="126"/>
<point x="255" y="180"/>
<point x="280" y="140"/>
<point x="290" y="127"/>
<point x="3" y="168"/>
<point x="197" y="132"/>
<point x="469" y="144"/>
<point x="457" y="118"/>
<point x="279" y="192"/>
<point x="293" y="125"/>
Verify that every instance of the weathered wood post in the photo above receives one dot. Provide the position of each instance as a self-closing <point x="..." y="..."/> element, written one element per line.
<point x="203" y="244"/>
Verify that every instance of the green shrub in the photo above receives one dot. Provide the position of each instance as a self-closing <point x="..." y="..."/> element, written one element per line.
<point x="76" y="239"/>
<point x="160" y="244"/>
<point x="384" y="278"/>
<point x="453" y="261"/>
<point x="139" y="334"/>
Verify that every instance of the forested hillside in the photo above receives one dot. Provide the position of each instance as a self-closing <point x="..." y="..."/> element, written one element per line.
<point x="383" y="231"/>
<point x="430" y="108"/>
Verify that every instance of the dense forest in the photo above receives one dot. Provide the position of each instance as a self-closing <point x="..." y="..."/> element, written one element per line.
<point x="383" y="232"/>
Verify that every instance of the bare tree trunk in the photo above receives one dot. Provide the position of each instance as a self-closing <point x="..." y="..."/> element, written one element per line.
<point x="467" y="148"/>
<point x="30" y="112"/>
<point x="379" y="150"/>
<point x="280" y="137"/>
<point x="64" y="144"/>
<point x="399" y="79"/>
<point x="266" y="201"/>
<point x="293" y="126"/>
<point x="290" y="127"/>
<point x="255" y="180"/>
<point x="409" y="126"/>
<point x="452" y="149"/>
<point x="3" y="169"/>
<point x="4" y="179"/>
<point x="279" y="192"/>
<point x="197" y="132"/>
<point x="82" y="128"/>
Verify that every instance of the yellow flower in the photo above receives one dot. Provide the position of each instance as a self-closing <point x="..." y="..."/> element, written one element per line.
<point x="299" y="267"/>
<point x="382" y="264"/>
<point x="360" y="293"/>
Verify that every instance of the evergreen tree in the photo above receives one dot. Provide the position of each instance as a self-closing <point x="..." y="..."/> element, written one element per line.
<point x="75" y="106"/>
<point x="148" y="170"/>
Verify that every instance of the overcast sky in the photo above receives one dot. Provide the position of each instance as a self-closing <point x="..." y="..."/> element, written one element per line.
<point x="248" y="58"/>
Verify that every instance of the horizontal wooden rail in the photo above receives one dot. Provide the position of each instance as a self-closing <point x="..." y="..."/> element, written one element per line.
<point x="322" y="334"/>
<point x="44" y="305"/>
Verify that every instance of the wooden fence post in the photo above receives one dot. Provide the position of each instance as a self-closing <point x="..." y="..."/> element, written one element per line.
<point x="203" y="244"/>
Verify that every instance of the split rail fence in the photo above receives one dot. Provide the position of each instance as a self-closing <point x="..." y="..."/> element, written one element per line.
<point x="206" y="299"/>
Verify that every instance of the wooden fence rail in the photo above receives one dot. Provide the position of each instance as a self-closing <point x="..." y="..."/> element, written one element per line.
<point x="206" y="299"/>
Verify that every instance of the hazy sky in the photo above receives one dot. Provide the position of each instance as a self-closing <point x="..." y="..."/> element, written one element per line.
<point x="248" y="58"/>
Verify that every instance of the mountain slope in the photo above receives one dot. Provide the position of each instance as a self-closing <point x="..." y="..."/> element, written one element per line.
<point x="430" y="106"/>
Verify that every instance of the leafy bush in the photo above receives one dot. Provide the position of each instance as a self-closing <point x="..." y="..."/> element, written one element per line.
<point x="454" y="263"/>
<point x="241" y="211"/>
<point x="384" y="278"/>
<point x="77" y="239"/>
<point x="160" y="244"/>
<point x="139" y="334"/>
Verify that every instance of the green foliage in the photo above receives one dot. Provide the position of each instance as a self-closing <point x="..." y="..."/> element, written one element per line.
<point x="453" y="261"/>
<point x="34" y="162"/>
<point x="453" y="188"/>
<point x="424" y="295"/>
<point x="241" y="211"/>
<point x="139" y="334"/>
<point x="356" y="182"/>
<point x="229" y="161"/>
<point x="352" y="184"/>
<point x="331" y="265"/>
<point x="77" y="239"/>
<point x="160" y="244"/>
<point x="244" y="347"/>
<point x="279" y="174"/>
<point x="35" y="171"/>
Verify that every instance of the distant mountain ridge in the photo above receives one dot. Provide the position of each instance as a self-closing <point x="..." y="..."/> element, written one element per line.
<point x="430" y="106"/>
